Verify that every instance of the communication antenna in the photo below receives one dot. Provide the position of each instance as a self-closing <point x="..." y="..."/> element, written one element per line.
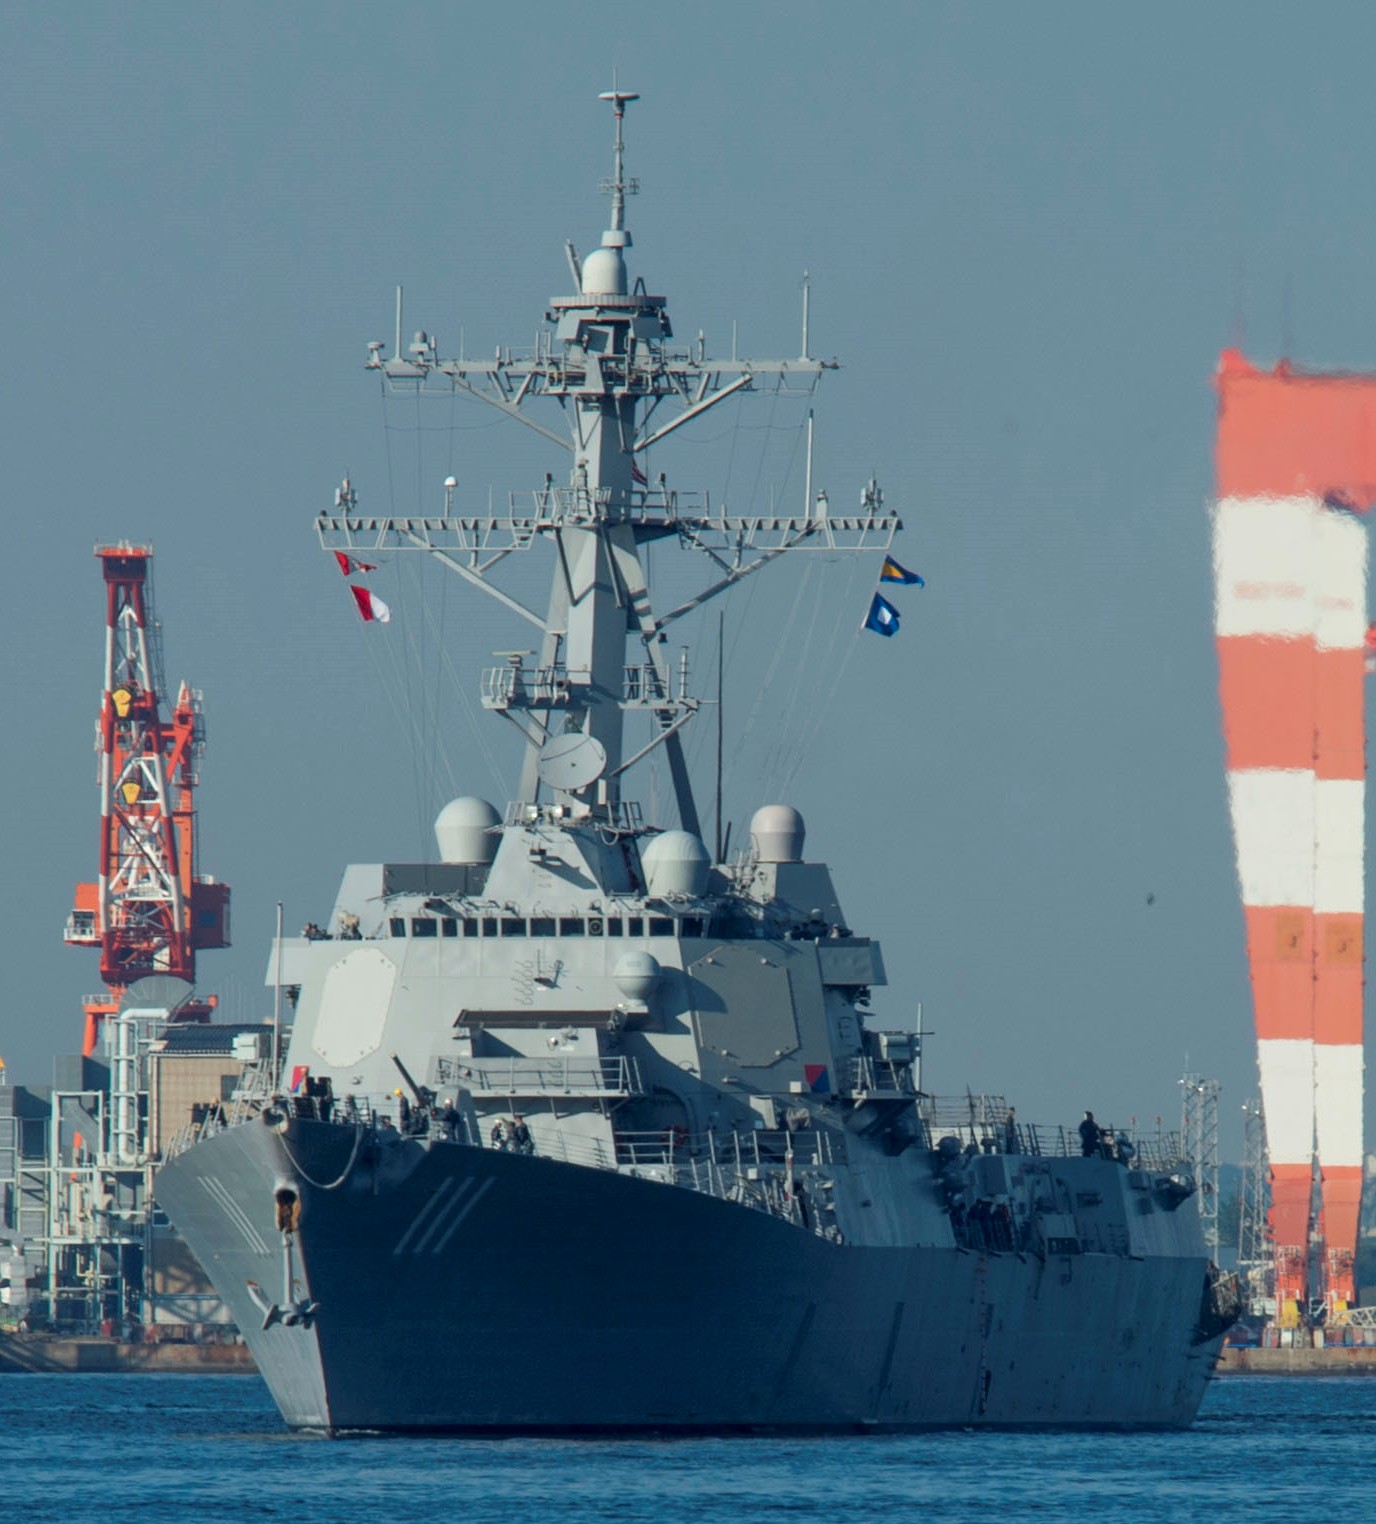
<point x="1199" y="1124"/>
<point x="619" y="186"/>
<point x="277" y="1008"/>
<point x="721" y="646"/>
<point x="1252" y="1251"/>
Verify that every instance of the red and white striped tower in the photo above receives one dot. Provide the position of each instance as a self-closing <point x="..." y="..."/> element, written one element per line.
<point x="1296" y="468"/>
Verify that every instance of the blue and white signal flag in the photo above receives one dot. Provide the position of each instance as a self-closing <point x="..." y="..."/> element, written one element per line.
<point x="882" y="617"/>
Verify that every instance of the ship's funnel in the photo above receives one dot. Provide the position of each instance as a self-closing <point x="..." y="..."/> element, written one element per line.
<point x="464" y="829"/>
<point x="676" y="864"/>
<point x="776" y="834"/>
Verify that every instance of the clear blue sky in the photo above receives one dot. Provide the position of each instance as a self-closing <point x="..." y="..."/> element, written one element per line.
<point x="1030" y="230"/>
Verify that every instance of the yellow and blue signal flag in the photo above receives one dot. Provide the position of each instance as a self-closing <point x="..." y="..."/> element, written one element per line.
<point x="893" y="572"/>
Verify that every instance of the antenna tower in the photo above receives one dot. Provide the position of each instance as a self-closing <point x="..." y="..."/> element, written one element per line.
<point x="1254" y="1251"/>
<point x="1199" y="1125"/>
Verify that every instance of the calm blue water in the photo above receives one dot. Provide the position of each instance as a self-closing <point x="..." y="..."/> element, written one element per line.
<point x="212" y="1448"/>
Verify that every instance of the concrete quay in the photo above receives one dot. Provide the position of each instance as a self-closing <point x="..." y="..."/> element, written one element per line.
<point x="20" y="1353"/>
<point x="1331" y="1360"/>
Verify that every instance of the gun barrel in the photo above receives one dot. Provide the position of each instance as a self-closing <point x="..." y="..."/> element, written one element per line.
<point x="415" y="1089"/>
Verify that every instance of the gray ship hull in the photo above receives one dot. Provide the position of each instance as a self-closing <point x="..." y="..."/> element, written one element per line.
<point x="465" y="1289"/>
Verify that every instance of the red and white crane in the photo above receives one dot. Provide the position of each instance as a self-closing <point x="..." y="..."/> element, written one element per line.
<point x="148" y="910"/>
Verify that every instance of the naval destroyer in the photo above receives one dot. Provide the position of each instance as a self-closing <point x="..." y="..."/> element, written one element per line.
<point x="581" y="1129"/>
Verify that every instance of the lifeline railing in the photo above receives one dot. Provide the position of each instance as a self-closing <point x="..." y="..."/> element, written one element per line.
<point x="754" y="1167"/>
<point x="878" y="1077"/>
<point x="716" y="1163"/>
<point x="560" y="1074"/>
<point x="983" y="1121"/>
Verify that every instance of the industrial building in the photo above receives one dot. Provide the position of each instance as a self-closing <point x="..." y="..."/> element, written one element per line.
<point x="83" y="1248"/>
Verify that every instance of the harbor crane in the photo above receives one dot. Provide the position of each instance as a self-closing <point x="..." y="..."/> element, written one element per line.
<point x="148" y="911"/>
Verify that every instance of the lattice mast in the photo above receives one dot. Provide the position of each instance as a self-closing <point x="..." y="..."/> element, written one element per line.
<point x="1254" y="1254"/>
<point x="623" y="385"/>
<point x="148" y="910"/>
<point x="1296" y="470"/>
<point x="1199" y="1129"/>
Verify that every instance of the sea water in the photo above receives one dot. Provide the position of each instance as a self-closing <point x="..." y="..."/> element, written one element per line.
<point x="211" y="1448"/>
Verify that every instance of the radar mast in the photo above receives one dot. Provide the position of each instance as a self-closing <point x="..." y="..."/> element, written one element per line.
<point x="624" y="386"/>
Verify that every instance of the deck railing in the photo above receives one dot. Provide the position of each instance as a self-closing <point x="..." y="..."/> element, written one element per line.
<point x="983" y="1121"/>
<point x="559" y="1074"/>
<point x="753" y="1166"/>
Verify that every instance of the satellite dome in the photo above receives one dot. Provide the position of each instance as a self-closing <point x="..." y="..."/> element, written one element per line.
<point x="676" y="864"/>
<point x="776" y="834"/>
<point x="464" y="831"/>
<point x="636" y="974"/>
<point x="604" y="273"/>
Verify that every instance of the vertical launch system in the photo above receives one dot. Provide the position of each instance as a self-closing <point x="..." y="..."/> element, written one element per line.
<point x="1296" y="476"/>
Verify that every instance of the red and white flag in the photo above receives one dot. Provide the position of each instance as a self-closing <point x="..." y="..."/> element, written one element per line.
<point x="349" y="567"/>
<point x="370" y="606"/>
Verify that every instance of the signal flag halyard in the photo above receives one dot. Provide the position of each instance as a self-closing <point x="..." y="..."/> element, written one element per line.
<point x="893" y="572"/>
<point x="370" y="606"/>
<point x="882" y="617"/>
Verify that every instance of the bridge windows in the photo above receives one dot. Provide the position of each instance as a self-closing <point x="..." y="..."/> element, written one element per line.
<point x="549" y="926"/>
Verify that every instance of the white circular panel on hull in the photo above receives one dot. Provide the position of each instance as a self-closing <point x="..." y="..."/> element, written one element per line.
<point x="353" y="1006"/>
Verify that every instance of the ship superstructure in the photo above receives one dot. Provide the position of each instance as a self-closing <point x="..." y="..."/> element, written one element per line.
<point x="588" y="1129"/>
